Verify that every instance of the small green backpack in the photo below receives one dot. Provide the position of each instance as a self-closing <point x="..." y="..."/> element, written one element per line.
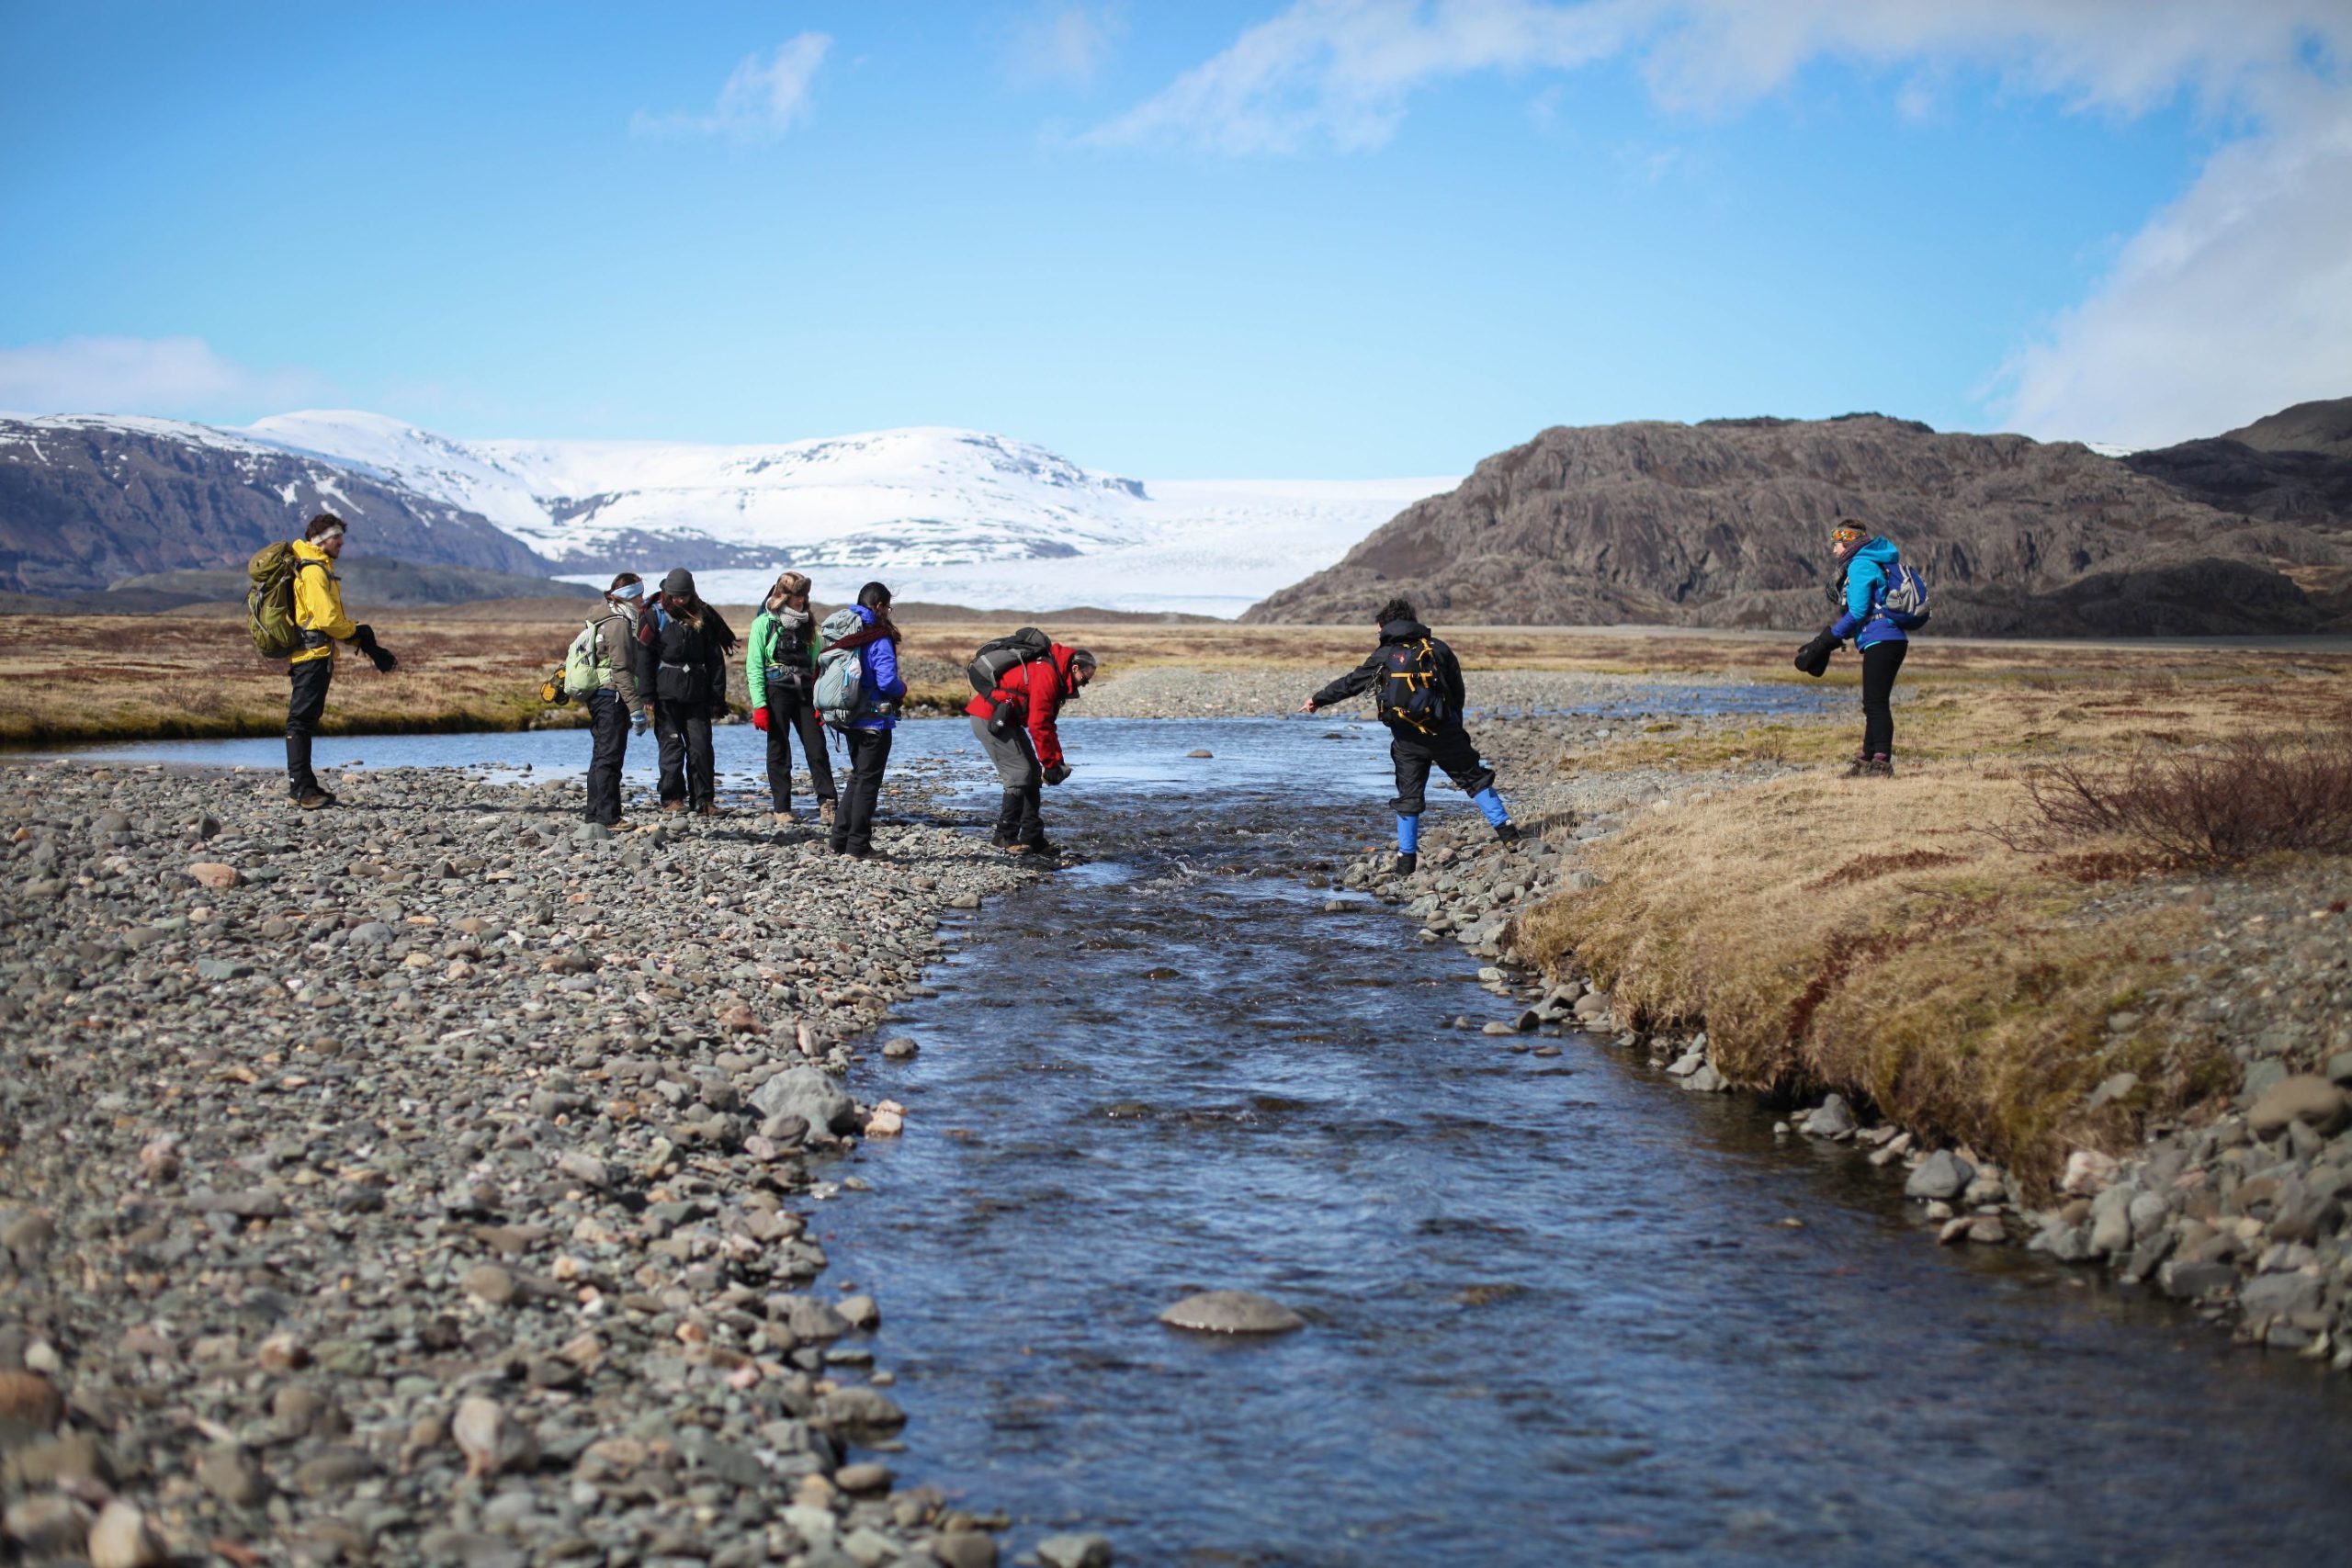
<point x="584" y="672"/>
<point x="269" y="603"/>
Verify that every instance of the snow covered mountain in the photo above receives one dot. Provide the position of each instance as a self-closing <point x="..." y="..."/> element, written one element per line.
<point x="941" y="514"/>
<point x="87" y="500"/>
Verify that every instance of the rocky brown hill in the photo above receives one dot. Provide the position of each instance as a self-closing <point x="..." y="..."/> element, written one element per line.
<point x="1724" y="522"/>
<point x="87" y="501"/>
<point x="2294" y="467"/>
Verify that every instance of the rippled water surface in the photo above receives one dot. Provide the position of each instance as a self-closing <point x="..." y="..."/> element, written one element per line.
<point x="1558" y="1311"/>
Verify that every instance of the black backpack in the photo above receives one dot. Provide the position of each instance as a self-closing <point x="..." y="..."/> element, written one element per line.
<point x="1001" y="656"/>
<point x="1412" y="692"/>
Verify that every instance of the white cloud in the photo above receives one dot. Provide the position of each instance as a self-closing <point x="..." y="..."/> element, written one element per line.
<point x="179" y="376"/>
<point x="2234" y="302"/>
<point x="760" y="100"/>
<point x="1066" y="43"/>
<point x="1343" y="72"/>
<point x="2231" y="303"/>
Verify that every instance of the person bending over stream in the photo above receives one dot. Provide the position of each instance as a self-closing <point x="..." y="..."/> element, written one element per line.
<point x="1416" y="683"/>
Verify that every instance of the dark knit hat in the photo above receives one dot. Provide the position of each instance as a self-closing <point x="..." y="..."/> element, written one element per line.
<point x="680" y="582"/>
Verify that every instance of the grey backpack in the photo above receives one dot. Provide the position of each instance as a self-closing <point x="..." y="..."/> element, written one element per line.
<point x="840" y="671"/>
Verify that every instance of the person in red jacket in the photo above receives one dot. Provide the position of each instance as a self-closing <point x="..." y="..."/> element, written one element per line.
<point x="1015" y="724"/>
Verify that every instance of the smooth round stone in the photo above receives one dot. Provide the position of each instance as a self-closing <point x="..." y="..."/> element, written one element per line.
<point x="1232" y="1311"/>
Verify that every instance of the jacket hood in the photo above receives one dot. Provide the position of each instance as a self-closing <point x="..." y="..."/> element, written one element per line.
<point x="308" y="551"/>
<point x="1880" y="552"/>
<point x="865" y="613"/>
<point x="1403" y="631"/>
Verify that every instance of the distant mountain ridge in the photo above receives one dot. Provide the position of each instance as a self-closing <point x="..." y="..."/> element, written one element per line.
<point x="1724" y="523"/>
<point x="909" y="497"/>
<point x="86" y="501"/>
<point x="953" y="516"/>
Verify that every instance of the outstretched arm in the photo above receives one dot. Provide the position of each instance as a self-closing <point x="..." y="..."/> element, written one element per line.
<point x="1355" y="682"/>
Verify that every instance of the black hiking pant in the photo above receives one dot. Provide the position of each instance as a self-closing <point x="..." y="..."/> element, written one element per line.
<point x="306" y="704"/>
<point x="869" y="754"/>
<point x="685" y="734"/>
<point x="1450" y="748"/>
<point x="1880" y="662"/>
<point x="608" y="738"/>
<point x="789" y="714"/>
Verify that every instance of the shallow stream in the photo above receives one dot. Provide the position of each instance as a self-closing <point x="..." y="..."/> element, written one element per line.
<point x="1559" y="1309"/>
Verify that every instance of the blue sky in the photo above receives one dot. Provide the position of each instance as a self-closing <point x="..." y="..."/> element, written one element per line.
<point x="1334" y="238"/>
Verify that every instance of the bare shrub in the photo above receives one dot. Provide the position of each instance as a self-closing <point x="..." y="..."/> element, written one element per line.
<point x="2251" y="796"/>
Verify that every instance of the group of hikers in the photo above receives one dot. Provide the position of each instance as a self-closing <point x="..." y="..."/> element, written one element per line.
<point x="659" y="660"/>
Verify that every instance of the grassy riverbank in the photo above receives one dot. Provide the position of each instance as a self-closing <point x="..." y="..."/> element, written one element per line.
<point x="478" y="667"/>
<point x="1932" y="945"/>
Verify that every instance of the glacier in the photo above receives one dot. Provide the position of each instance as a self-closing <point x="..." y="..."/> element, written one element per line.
<point x="942" y="515"/>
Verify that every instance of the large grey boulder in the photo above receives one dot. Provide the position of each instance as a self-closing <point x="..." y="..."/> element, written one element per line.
<point x="1232" y="1311"/>
<point x="1941" y="1175"/>
<point x="810" y="1093"/>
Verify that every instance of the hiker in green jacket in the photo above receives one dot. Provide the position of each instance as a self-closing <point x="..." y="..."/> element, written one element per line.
<point x="780" y="676"/>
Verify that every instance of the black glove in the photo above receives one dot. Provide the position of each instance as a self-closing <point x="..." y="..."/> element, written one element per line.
<point x="381" y="658"/>
<point x="1813" y="657"/>
<point x="1058" y="773"/>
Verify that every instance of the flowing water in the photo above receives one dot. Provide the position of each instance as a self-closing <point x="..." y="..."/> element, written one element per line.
<point x="1557" y="1310"/>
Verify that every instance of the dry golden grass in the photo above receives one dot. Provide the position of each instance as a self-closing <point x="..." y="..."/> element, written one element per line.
<point x="1872" y="937"/>
<point x="478" y="666"/>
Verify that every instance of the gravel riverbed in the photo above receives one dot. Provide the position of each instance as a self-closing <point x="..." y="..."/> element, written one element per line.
<point x="430" y="1178"/>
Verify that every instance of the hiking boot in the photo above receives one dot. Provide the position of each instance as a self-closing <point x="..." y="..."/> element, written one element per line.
<point x="314" y="800"/>
<point x="1506" y="833"/>
<point x="620" y="826"/>
<point x="674" y="806"/>
<point x="1881" y="767"/>
<point x="825" y="812"/>
<point x="1859" y="768"/>
<point x="1407" y="863"/>
<point x="706" y="809"/>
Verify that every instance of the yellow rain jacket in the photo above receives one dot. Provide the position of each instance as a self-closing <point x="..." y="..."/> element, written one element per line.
<point x="318" y="606"/>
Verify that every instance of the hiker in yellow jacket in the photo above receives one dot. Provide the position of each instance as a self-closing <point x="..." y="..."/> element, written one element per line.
<point x="318" y="617"/>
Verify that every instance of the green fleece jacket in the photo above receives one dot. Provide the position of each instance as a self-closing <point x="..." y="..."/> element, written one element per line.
<point x="786" y="638"/>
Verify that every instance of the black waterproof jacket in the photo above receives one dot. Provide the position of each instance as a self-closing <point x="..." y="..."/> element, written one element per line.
<point x="1367" y="676"/>
<point x="689" y="663"/>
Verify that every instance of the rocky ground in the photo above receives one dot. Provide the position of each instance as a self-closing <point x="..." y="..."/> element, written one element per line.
<point x="430" y="1178"/>
<point x="2244" y="1214"/>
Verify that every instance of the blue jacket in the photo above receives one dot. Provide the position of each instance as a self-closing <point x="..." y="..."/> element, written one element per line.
<point x="1864" y="620"/>
<point x="877" y="678"/>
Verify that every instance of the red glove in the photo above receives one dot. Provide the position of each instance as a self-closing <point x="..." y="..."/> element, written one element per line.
<point x="760" y="718"/>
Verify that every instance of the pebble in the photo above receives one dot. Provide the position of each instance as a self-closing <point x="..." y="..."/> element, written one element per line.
<point x="1075" y="1551"/>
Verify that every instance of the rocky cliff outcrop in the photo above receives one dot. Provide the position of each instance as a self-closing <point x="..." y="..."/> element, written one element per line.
<point x="86" y="502"/>
<point x="1725" y="524"/>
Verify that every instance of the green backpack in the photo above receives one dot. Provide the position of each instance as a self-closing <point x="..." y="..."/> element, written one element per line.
<point x="584" y="672"/>
<point x="269" y="603"/>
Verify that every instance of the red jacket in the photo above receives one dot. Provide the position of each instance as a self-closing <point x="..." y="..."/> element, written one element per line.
<point x="1040" y="686"/>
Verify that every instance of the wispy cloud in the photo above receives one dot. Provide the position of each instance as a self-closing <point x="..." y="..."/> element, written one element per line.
<point x="179" y="376"/>
<point x="1063" y="43"/>
<point x="1343" y="72"/>
<point x="760" y="100"/>
<point x="2231" y="301"/>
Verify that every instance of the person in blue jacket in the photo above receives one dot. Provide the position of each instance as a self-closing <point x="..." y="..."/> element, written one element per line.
<point x="1861" y="592"/>
<point x="867" y="735"/>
